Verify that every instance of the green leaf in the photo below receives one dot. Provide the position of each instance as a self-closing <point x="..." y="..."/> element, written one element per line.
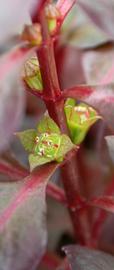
<point x="27" y="139"/>
<point x="32" y="74"/>
<point x="65" y="146"/>
<point x="79" y="119"/>
<point x="35" y="160"/>
<point x="47" y="125"/>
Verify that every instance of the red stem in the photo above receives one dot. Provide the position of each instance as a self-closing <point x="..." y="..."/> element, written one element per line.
<point x="55" y="106"/>
<point x="102" y="214"/>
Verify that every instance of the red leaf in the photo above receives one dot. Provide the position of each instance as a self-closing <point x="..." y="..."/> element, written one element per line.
<point x="12" y="98"/>
<point x="12" y="19"/>
<point x="98" y="65"/>
<point x="101" y="13"/>
<point x="22" y="221"/>
<point x="13" y="59"/>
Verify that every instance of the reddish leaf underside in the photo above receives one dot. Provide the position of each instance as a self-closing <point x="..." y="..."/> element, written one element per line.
<point x="22" y="222"/>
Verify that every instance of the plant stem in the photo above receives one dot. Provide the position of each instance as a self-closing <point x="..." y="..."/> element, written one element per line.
<point x="55" y="105"/>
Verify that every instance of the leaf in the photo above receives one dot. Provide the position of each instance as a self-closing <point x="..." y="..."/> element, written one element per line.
<point x="79" y="32"/>
<point x="99" y="65"/>
<point x="27" y="139"/>
<point x="80" y="117"/>
<point x="83" y="258"/>
<point x="101" y="13"/>
<point x="47" y="125"/>
<point x="23" y="233"/>
<point x="12" y="105"/>
<point x="110" y="143"/>
<point x="13" y="59"/>
<point x="65" y="146"/>
<point x="36" y="160"/>
<point x="13" y="24"/>
<point x="32" y="74"/>
<point x="12" y="96"/>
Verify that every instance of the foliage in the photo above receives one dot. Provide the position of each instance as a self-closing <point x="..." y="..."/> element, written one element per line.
<point x="43" y="51"/>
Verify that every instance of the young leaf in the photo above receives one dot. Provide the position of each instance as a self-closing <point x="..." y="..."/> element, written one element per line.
<point x="82" y="258"/>
<point x="32" y="75"/>
<point x="80" y="118"/>
<point x="23" y="235"/>
<point x="36" y="160"/>
<point x="65" y="146"/>
<point x="47" y="125"/>
<point x="27" y="139"/>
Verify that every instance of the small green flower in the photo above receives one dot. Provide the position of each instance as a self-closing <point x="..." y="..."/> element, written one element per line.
<point x="46" y="143"/>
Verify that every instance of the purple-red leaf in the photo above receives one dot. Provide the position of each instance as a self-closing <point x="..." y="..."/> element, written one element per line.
<point x="110" y="143"/>
<point x="22" y="222"/>
<point x="82" y="258"/>
<point x="79" y="32"/>
<point x="99" y="65"/>
<point x="13" y="15"/>
<point x="12" y="98"/>
<point x="101" y="13"/>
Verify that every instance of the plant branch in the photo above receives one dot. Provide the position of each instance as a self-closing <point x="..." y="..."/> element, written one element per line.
<point x="102" y="214"/>
<point x="55" y="108"/>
